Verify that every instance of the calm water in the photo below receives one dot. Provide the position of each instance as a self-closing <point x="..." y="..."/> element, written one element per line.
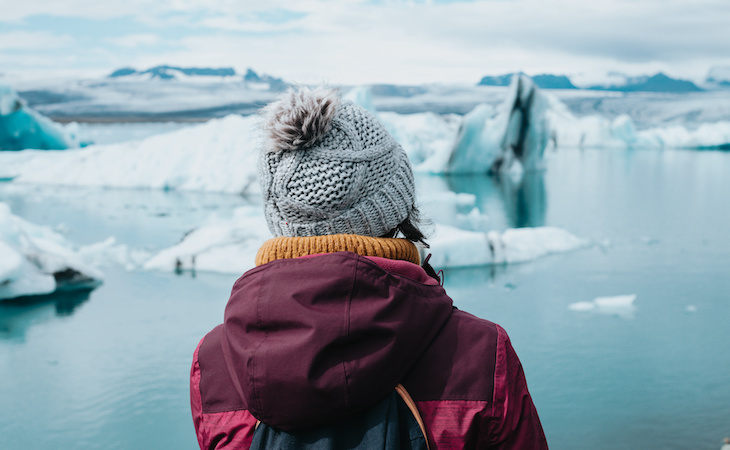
<point x="109" y="368"/>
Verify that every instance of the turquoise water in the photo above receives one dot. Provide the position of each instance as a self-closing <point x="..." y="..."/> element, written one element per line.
<point x="109" y="368"/>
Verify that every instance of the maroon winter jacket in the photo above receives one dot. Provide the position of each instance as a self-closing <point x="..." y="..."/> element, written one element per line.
<point x="312" y="340"/>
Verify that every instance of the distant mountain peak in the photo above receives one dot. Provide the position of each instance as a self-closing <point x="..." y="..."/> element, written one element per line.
<point x="544" y="81"/>
<point x="659" y="82"/>
<point x="166" y="72"/>
<point x="274" y="84"/>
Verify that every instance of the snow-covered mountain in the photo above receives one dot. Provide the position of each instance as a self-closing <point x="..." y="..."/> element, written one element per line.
<point x="543" y="81"/>
<point x="172" y="72"/>
<point x="659" y="82"/>
<point x="222" y="74"/>
<point x="655" y="83"/>
<point x="161" y="93"/>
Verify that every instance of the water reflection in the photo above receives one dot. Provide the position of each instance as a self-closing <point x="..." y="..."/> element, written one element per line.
<point x="19" y="314"/>
<point x="509" y="203"/>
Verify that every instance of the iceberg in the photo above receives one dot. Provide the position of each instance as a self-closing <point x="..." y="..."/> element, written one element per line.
<point x="622" y="133"/>
<point x="230" y="245"/>
<point x="21" y="127"/>
<point x="221" y="245"/>
<point x="454" y="247"/>
<point x="510" y="139"/>
<point x="35" y="260"/>
<point x="218" y="156"/>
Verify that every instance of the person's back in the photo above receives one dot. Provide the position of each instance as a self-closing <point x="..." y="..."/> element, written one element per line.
<point x="335" y="315"/>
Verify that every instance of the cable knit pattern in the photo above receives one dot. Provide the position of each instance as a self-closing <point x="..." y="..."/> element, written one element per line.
<point x="294" y="247"/>
<point x="356" y="179"/>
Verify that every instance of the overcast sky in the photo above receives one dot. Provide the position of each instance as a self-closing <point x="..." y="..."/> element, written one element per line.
<point x="370" y="41"/>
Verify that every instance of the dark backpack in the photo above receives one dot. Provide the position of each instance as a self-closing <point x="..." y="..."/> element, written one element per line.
<point x="394" y="423"/>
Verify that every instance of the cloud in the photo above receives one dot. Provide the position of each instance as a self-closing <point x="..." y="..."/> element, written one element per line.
<point x="358" y="41"/>
<point x="33" y="40"/>
<point x="135" y="40"/>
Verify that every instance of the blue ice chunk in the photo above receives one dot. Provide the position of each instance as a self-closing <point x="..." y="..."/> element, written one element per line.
<point x="22" y="128"/>
<point x="513" y="140"/>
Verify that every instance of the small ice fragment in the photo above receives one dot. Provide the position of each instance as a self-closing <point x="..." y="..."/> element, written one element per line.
<point x="582" y="306"/>
<point x="691" y="308"/>
<point x="619" y="301"/>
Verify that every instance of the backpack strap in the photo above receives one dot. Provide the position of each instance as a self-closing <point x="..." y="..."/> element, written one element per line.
<point x="409" y="403"/>
<point x="414" y="410"/>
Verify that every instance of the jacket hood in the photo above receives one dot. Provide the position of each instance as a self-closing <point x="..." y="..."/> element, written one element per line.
<point x="309" y="341"/>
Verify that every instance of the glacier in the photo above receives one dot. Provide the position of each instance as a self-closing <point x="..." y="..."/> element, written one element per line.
<point x="220" y="155"/>
<point x="35" y="260"/>
<point x="22" y="128"/>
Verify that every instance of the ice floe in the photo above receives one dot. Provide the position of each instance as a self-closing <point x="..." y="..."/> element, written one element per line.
<point x="218" y="156"/>
<point x="454" y="247"/>
<point x="230" y="246"/>
<point x="36" y="260"/>
<point x="620" y="305"/>
<point x="509" y="138"/>
<point x="597" y="131"/>
<point x="221" y="245"/>
<point x="22" y="128"/>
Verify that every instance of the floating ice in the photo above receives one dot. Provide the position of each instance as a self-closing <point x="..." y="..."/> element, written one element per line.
<point x="230" y="245"/>
<point x="618" y="301"/>
<point x="512" y="140"/>
<point x="35" y="260"/>
<point x="454" y="247"/>
<point x="21" y="127"/>
<point x="222" y="245"/>
<point x="621" y="132"/>
<point x="621" y="305"/>
<point x="219" y="155"/>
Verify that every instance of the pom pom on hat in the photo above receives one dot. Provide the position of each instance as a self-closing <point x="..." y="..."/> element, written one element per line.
<point x="298" y="119"/>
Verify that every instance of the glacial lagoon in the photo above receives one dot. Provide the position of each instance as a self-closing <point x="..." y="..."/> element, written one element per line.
<point x="108" y="368"/>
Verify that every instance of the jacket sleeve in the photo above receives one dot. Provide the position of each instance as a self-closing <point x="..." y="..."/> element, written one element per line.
<point x="218" y="430"/>
<point x="514" y="423"/>
<point x="196" y="401"/>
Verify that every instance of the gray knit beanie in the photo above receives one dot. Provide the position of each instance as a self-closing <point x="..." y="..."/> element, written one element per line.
<point x="329" y="167"/>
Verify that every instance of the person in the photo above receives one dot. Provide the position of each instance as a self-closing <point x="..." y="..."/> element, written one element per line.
<point x="338" y="311"/>
<point x="726" y="445"/>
